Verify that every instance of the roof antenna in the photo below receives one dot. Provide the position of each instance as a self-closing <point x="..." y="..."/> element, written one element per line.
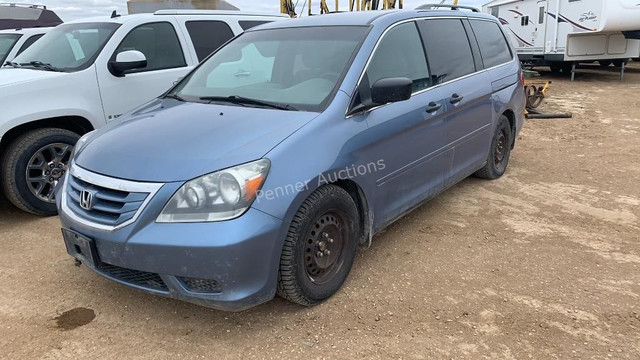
<point x="115" y="14"/>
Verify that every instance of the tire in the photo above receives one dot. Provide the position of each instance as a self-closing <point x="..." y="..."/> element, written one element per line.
<point x="567" y="67"/>
<point x="605" y="63"/>
<point x="499" y="153"/>
<point x="328" y="219"/>
<point x="618" y="63"/>
<point x="636" y="59"/>
<point x="555" y="68"/>
<point x="23" y="152"/>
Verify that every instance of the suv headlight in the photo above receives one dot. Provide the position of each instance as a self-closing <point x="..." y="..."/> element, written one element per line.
<point x="222" y="195"/>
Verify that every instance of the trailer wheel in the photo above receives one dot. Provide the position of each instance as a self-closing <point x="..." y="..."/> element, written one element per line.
<point x="618" y="63"/>
<point x="605" y="63"/>
<point x="555" y="68"/>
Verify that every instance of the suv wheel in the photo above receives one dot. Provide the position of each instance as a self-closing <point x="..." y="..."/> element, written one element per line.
<point x="32" y="166"/>
<point x="320" y="247"/>
<point x="499" y="153"/>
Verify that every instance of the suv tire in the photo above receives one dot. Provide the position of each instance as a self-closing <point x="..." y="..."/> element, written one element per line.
<point x="48" y="152"/>
<point x="327" y="223"/>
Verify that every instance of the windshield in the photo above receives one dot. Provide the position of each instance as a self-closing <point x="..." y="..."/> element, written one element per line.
<point x="293" y="68"/>
<point x="70" y="47"/>
<point x="6" y="44"/>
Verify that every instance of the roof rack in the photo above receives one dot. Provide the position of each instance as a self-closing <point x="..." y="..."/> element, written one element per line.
<point x="450" y="6"/>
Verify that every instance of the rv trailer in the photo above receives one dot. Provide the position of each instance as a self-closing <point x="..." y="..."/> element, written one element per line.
<point x="562" y="33"/>
<point x="21" y="16"/>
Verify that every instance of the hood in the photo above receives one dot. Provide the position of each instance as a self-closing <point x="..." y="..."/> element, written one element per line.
<point x="169" y="141"/>
<point x="14" y="76"/>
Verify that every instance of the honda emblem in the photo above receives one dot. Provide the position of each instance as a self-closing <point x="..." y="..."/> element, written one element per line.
<point x="86" y="200"/>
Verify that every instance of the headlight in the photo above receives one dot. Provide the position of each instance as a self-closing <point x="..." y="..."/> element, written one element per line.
<point x="222" y="195"/>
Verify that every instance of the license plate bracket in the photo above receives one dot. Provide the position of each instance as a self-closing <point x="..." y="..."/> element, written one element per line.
<point x="81" y="247"/>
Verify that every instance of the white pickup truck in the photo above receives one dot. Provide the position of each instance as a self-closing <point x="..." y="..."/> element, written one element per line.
<point x="83" y="74"/>
<point x="15" y="41"/>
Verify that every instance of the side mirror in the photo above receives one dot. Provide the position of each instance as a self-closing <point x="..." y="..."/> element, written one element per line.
<point x="127" y="60"/>
<point x="390" y="90"/>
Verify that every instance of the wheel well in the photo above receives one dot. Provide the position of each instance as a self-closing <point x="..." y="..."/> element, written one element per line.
<point x="77" y="124"/>
<point x="512" y="122"/>
<point x="363" y="209"/>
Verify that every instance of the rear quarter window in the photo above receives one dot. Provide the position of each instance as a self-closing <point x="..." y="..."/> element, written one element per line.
<point x="493" y="44"/>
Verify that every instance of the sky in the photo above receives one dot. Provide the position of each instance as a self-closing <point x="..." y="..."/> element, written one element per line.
<point x="78" y="9"/>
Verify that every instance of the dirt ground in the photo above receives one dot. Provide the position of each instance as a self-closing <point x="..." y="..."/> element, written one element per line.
<point x="541" y="264"/>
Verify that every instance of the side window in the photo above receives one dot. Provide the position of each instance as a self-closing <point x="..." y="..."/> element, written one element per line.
<point x="400" y="54"/>
<point x="524" y="20"/>
<point x="495" y="11"/>
<point x="159" y="44"/>
<point x="448" y="49"/>
<point x="208" y="36"/>
<point x="541" y="15"/>
<point x="28" y="43"/>
<point x="493" y="45"/>
<point x="248" y="24"/>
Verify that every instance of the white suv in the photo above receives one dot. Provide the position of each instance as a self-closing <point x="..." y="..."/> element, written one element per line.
<point x="83" y="74"/>
<point x="14" y="42"/>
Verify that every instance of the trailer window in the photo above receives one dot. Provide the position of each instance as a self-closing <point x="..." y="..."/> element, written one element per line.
<point x="541" y="15"/>
<point x="524" y="21"/>
<point x="448" y="49"/>
<point x="495" y="11"/>
<point x="492" y="43"/>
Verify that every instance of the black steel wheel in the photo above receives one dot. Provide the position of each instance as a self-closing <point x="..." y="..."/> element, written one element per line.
<point x="320" y="247"/>
<point x="32" y="166"/>
<point x="500" y="152"/>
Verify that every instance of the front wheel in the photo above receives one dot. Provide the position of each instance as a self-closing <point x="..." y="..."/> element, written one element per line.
<point x="32" y="166"/>
<point x="500" y="151"/>
<point x="320" y="247"/>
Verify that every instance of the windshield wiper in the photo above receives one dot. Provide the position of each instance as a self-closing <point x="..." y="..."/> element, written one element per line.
<point x="41" y="65"/>
<point x="175" y="97"/>
<point x="235" y="99"/>
<point x="11" y="63"/>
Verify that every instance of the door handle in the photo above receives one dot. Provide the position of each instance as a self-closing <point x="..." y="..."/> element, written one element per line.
<point x="433" y="107"/>
<point x="455" y="98"/>
<point x="242" y="73"/>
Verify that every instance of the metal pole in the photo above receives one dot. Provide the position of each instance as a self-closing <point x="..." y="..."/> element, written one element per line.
<point x="573" y="72"/>
<point x="624" y="65"/>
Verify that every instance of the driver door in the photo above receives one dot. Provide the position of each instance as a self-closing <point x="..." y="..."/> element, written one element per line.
<point x="166" y="63"/>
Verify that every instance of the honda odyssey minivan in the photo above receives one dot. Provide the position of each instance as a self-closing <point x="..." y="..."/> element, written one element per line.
<point x="263" y="170"/>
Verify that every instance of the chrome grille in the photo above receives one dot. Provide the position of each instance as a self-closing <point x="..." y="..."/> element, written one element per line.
<point x="110" y="207"/>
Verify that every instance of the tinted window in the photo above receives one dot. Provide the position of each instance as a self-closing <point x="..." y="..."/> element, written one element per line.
<point x="400" y="54"/>
<point x="448" y="49"/>
<point x="493" y="45"/>
<point x="6" y="44"/>
<point x="159" y="44"/>
<point x="29" y="42"/>
<point x="208" y="36"/>
<point x="246" y="25"/>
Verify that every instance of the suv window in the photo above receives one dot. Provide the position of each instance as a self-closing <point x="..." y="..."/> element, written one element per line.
<point x="159" y="44"/>
<point x="448" y="49"/>
<point x="208" y="36"/>
<point x="386" y="62"/>
<point x="493" y="45"/>
<point x="28" y="43"/>
<point x="248" y="24"/>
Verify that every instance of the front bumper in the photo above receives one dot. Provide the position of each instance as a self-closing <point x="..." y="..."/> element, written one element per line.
<point x="240" y="256"/>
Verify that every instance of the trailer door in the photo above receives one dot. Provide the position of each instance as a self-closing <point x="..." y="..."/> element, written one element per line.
<point x="541" y="35"/>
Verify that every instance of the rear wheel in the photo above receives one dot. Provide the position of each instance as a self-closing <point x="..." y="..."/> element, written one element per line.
<point x="320" y="247"/>
<point x="618" y="63"/>
<point x="32" y="166"/>
<point x="500" y="151"/>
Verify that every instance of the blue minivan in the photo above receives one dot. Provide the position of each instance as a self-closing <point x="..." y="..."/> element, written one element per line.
<point x="263" y="170"/>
